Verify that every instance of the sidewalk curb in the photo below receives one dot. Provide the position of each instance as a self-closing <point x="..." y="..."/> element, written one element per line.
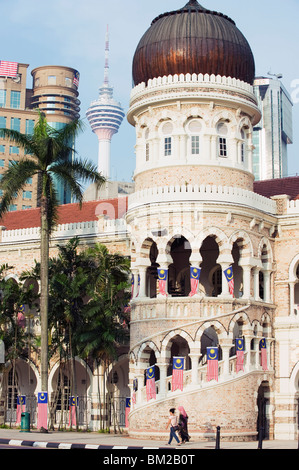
<point x="65" y="445"/>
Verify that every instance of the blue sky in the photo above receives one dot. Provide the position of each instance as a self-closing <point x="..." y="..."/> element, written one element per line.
<point x="72" y="33"/>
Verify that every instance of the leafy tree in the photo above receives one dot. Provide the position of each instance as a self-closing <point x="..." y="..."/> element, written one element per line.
<point x="14" y="298"/>
<point x="50" y="151"/>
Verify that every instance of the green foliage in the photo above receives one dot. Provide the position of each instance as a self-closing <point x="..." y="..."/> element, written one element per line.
<point x="14" y="301"/>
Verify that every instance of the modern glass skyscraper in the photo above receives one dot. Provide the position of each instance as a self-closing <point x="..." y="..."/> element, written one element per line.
<point x="274" y="132"/>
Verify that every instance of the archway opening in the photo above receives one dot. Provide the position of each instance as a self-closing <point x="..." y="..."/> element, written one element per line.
<point x="179" y="270"/>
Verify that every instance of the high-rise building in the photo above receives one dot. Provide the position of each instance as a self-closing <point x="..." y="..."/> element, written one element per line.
<point x="55" y="93"/>
<point x="105" y="116"/>
<point x="274" y="132"/>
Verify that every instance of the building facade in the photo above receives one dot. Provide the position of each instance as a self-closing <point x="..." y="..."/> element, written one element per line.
<point x="274" y="132"/>
<point x="55" y="93"/>
<point x="195" y="209"/>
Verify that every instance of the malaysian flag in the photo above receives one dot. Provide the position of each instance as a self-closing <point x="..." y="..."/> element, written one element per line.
<point x="229" y="274"/>
<point x="162" y="276"/>
<point x="240" y="348"/>
<point x="8" y="69"/>
<point x="263" y="348"/>
<point x="138" y="285"/>
<point x="132" y="286"/>
<point x="194" y="280"/>
<point x="42" y="410"/>
<point x="128" y="409"/>
<point x="21" y="317"/>
<point x="177" y="373"/>
<point x="72" y="414"/>
<point x="76" y="78"/>
<point x="21" y="406"/>
<point x="212" y="357"/>
<point x="150" y="383"/>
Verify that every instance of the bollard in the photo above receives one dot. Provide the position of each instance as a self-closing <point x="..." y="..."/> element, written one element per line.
<point x="218" y="438"/>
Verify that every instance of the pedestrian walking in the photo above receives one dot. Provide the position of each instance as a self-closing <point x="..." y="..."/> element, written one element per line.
<point x="173" y="423"/>
<point x="183" y="425"/>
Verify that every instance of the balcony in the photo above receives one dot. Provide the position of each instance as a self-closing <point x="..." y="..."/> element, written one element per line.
<point x="196" y="307"/>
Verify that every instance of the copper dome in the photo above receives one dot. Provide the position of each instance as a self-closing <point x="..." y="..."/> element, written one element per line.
<point x="193" y="40"/>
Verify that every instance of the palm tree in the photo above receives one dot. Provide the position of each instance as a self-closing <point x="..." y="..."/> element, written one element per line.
<point x="50" y="152"/>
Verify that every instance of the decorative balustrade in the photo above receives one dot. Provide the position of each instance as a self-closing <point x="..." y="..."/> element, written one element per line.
<point x="80" y="229"/>
<point x="293" y="207"/>
<point x="185" y="308"/>
<point x="202" y="193"/>
<point x="251" y="364"/>
<point x="197" y="79"/>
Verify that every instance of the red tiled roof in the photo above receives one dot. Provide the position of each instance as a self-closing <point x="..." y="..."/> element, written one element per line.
<point x="68" y="213"/>
<point x="276" y="187"/>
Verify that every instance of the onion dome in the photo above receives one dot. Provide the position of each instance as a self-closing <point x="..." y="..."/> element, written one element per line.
<point x="193" y="40"/>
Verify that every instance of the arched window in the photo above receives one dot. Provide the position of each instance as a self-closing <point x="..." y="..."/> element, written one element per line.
<point x="222" y="131"/>
<point x="147" y="145"/>
<point x="167" y="130"/>
<point x="194" y="129"/>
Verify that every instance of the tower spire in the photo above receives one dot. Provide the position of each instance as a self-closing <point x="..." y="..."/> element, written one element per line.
<point x="105" y="116"/>
<point x="106" y="70"/>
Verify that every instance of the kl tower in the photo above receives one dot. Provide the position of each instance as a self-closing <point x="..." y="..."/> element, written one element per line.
<point x="105" y="117"/>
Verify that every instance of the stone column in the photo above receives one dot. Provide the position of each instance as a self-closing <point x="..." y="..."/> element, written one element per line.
<point x="163" y="376"/>
<point x="246" y="281"/>
<point x="194" y="355"/>
<point x="225" y="352"/>
<point x="267" y="286"/>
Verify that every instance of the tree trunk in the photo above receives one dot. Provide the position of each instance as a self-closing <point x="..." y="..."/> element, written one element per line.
<point x="44" y="280"/>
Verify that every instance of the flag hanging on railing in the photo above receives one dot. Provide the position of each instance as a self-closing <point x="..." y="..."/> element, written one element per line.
<point x="240" y="348"/>
<point x="132" y="286"/>
<point x="72" y="412"/>
<point x="229" y="274"/>
<point x="128" y="409"/>
<point x="263" y="348"/>
<point x="150" y="383"/>
<point x="21" y="407"/>
<point x="21" y="317"/>
<point x="194" y="280"/>
<point x="138" y="286"/>
<point x="162" y="276"/>
<point x="177" y="373"/>
<point x="212" y="358"/>
<point x="42" y="410"/>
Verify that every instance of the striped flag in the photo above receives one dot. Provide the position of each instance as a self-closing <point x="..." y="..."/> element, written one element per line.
<point x="42" y="410"/>
<point x="178" y="373"/>
<point x="162" y="276"/>
<point x="194" y="280"/>
<point x="21" y="317"/>
<point x="8" y="69"/>
<point x="229" y="274"/>
<point x="240" y="348"/>
<point x="150" y="383"/>
<point x="72" y="414"/>
<point x="76" y="78"/>
<point x="21" y="407"/>
<point x="212" y="357"/>
<point x="263" y="348"/>
<point x="138" y="286"/>
<point x="128" y="409"/>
